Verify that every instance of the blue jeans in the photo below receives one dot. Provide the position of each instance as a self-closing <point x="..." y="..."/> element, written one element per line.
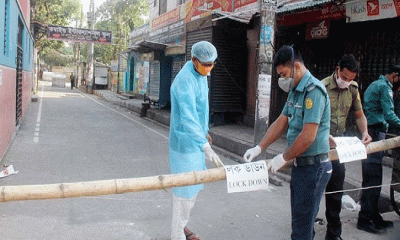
<point x="306" y="188"/>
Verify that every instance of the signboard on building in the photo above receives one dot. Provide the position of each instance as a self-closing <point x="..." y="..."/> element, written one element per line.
<point x="202" y="8"/>
<point x="318" y="30"/>
<point x="327" y="12"/>
<point x="78" y="35"/>
<point x="167" y="18"/>
<point x="172" y="33"/>
<point x="139" y="34"/>
<point x="366" y="10"/>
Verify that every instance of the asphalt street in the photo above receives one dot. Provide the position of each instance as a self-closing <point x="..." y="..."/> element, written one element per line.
<point x="70" y="136"/>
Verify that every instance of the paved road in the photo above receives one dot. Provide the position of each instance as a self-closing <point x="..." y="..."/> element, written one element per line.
<point x="68" y="136"/>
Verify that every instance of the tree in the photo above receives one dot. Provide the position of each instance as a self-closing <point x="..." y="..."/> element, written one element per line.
<point x="120" y="17"/>
<point x="53" y="12"/>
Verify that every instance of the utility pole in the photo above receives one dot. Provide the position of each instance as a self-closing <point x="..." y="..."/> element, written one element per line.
<point x="91" y="21"/>
<point x="265" y="64"/>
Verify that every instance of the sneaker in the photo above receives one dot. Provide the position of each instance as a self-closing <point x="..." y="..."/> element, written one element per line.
<point x="383" y="224"/>
<point x="370" y="227"/>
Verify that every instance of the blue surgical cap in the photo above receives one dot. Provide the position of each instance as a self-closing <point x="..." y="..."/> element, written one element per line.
<point x="204" y="51"/>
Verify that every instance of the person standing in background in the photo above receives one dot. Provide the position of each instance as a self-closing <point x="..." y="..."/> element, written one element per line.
<point x="344" y="96"/>
<point x="379" y="110"/>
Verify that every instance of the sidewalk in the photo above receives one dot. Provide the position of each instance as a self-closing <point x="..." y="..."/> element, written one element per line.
<point x="234" y="140"/>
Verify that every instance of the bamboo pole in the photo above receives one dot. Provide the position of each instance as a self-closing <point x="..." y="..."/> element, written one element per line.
<point x="118" y="186"/>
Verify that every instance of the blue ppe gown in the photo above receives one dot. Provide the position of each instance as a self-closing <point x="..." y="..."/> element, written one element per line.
<point x="188" y="125"/>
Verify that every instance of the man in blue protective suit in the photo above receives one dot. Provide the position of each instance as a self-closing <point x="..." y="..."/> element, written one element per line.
<point x="379" y="110"/>
<point x="306" y="116"/>
<point x="189" y="143"/>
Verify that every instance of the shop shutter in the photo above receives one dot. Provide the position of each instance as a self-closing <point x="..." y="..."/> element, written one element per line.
<point x="154" y="81"/>
<point x="177" y="64"/>
<point x="204" y="34"/>
<point x="229" y="76"/>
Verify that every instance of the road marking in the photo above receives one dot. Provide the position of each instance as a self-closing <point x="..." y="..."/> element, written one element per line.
<point x="39" y="116"/>
<point x="141" y="124"/>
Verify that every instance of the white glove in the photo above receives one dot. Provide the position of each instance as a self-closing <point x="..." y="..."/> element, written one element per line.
<point x="276" y="163"/>
<point x="211" y="155"/>
<point x="251" y="153"/>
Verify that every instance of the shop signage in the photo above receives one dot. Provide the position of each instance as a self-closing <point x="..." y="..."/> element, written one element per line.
<point x="167" y="18"/>
<point x="201" y="8"/>
<point x="78" y="35"/>
<point x="366" y="10"/>
<point x="172" y="33"/>
<point x="139" y="34"/>
<point x="327" y="12"/>
<point x="317" y="30"/>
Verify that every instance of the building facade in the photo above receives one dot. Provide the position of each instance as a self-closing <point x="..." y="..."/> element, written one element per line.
<point x="162" y="47"/>
<point x="16" y="67"/>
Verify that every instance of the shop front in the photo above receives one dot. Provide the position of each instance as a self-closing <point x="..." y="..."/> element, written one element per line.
<point x="324" y="32"/>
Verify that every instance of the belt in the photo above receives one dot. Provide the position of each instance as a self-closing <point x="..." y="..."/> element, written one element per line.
<point x="306" y="161"/>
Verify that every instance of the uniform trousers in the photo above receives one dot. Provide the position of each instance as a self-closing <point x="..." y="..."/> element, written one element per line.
<point x="372" y="176"/>
<point x="333" y="202"/>
<point x="306" y="188"/>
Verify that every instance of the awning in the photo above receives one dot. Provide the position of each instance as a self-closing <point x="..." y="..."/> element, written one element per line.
<point x="243" y="16"/>
<point x="295" y="5"/>
<point x="147" y="46"/>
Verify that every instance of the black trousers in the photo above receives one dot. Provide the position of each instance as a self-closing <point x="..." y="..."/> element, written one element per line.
<point x="372" y="176"/>
<point x="333" y="202"/>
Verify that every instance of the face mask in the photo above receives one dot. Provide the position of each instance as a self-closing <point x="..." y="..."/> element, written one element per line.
<point x="286" y="84"/>
<point x="342" y="83"/>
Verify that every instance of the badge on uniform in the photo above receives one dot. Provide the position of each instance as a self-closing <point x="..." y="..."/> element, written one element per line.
<point x="309" y="103"/>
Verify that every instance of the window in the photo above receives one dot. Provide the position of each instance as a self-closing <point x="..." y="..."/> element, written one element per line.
<point x="162" y="7"/>
<point x="6" y="25"/>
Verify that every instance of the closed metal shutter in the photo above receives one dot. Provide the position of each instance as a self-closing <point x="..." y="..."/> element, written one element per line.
<point x="177" y="64"/>
<point x="204" y="34"/>
<point x="154" y="81"/>
<point x="229" y="76"/>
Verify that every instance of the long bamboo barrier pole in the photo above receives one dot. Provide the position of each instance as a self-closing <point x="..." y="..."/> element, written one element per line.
<point x="117" y="186"/>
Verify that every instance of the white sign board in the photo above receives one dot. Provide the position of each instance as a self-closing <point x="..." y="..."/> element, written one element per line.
<point x="366" y="10"/>
<point x="247" y="177"/>
<point x="350" y="149"/>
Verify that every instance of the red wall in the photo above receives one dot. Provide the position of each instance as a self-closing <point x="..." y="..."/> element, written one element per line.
<point x="7" y="107"/>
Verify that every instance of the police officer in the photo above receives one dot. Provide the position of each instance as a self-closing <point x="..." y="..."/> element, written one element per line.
<point x="379" y="110"/>
<point x="306" y="114"/>
<point x="344" y="96"/>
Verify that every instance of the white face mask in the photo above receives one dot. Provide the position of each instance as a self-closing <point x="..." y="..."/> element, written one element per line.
<point x="342" y="83"/>
<point x="286" y="84"/>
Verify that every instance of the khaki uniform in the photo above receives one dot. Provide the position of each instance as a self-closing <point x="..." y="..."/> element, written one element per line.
<point x="342" y="101"/>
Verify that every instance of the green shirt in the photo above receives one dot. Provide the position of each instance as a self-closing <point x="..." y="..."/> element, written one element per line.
<point x="342" y="100"/>
<point x="309" y="103"/>
<point x="378" y="103"/>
